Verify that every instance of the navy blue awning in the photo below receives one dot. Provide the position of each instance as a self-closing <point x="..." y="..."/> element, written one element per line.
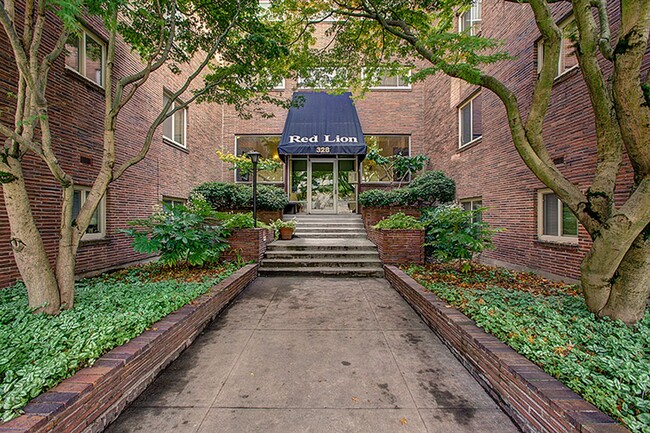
<point x="323" y="124"/>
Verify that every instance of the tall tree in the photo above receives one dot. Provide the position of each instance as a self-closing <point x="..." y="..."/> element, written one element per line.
<point x="616" y="270"/>
<point x="225" y="51"/>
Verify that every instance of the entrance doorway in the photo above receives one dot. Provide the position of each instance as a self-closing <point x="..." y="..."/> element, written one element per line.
<point x="325" y="186"/>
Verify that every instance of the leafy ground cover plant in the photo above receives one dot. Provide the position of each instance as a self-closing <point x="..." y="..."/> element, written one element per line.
<point x="399" y="221"/>
<point x="453" y="233"/>
<point x="604" y="361"/>
<point x="38" y="351"/>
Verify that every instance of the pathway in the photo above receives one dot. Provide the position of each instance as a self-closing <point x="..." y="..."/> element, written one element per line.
<point x="315" y="355"/>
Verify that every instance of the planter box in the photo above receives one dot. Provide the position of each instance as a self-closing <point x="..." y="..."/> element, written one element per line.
<point x="399" y="247"/>
<point x="248" y="244"/>
<point x="536" y="401"/>
<point x="372" y="215"/>
<point x="95" y="396"/>
<point x="266" y="216"/>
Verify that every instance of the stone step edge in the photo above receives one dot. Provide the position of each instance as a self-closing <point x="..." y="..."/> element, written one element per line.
<point x="534" y="400"/>
<point x="95" y="396"/>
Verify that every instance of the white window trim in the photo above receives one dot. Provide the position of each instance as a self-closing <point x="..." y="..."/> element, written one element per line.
<point x="472" y="201"/>
<point x="101" y="214"/>
<point x="473" y="19"/>
<point x="560" y="238"/>
<point x="184" y="113"/>
<point x="383" y="182"/>
<point x="274" y="182"/>
<point x="399" y="87"/>
<point x="302" y="86"/>
<point x="471" y="122"/>
<point x="173" y="200"/>
<point x="82" y="57"/>
<point x="540" y="51"/>
<point x="281" y="86"/>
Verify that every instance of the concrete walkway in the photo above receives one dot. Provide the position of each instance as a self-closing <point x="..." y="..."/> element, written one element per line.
<point x="315" y="355"/>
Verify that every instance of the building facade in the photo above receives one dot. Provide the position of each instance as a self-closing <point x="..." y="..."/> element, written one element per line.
<point x="461" y="128"/>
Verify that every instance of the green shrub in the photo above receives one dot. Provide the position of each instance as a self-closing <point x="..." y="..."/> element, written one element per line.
<point x="38" y="351"/>
<point x="179" y="236"/>
<point x="430" y="188"/>
<point x="604" y="361"/>
<point x="453" y="233"/>
<point x="399" y="221"/>
<point x="224" y="196"/>
<point x="270" y="198"/>
<point x="239" y="221"/>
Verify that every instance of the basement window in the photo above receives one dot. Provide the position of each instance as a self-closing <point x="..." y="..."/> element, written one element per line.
<point x="556" y="222"/>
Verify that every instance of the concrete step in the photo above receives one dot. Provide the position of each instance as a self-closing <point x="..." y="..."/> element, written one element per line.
<point x="321" y="272"/>
<point x="340" y="262"/>
<point x="331" y="235"/>
<point x="317" y="224"/>
<point x="276" y="246"/>
<point x="338" y="232"/>
<point x="324" y="255"/>
<point x="331" y="228"/>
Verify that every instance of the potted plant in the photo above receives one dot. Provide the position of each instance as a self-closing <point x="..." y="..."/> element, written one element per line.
<point x="286" y="228"/>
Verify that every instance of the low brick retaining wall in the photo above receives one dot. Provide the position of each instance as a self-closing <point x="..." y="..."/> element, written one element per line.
<point x="372" y="215"/>
<point x="95" y="396"/>
<point x="536" y="401"/>
<point x="398" y="247"/>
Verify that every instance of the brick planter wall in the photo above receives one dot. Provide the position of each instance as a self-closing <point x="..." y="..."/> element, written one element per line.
<point x="372" y="215"/>
<point x="95" y="396"/>
<point x="398" y="247"/>
<point x="267" y="216"/>
<point x="536" y="401"/>
<point x="249" y="244"/>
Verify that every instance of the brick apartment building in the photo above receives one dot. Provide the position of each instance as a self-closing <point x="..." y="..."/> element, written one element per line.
<point x="463" y="130"/>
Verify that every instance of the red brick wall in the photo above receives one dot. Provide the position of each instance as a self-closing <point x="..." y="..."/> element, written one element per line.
<point x="492" y="169"/>
<point x="248" y="244"/>
<point x="372" y="215"/>
<point x="76" y="108"/>
<point x="399" y="247"/>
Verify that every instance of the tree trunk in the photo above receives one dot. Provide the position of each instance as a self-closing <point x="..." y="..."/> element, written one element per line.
<point x="631" y="285"/>
<point x="65" y="261"/>
<point x="29" y="251"/>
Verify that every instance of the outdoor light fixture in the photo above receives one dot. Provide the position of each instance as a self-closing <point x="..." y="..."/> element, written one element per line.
<point x="254" y="157"/>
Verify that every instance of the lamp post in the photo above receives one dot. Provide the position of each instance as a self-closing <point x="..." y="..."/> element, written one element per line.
<point x="254" y="157"/>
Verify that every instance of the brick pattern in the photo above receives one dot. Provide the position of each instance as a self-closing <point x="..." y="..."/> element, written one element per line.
<point x="372" y="215"/>
<point x="248" y="244"/>
<point x="398" y="247"/>
<point x="95" y="396"/>
<point x="535" y="401"/>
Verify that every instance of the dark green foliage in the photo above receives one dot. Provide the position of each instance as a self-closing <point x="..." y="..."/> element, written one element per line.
<point x="399" y="221"/>
<point x="604" y="361"/>
<point x="180" y="236"/>
<point x="453" y="233"/>
<point x="428" y="189"/>
<point x="224" y="196"/>
<point x="39" y="351"/>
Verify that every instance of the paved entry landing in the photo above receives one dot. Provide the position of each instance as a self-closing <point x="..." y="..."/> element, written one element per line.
<point x="315" y="355"/>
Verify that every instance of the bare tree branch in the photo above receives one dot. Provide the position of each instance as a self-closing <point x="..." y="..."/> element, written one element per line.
<point x="16" y="44"/>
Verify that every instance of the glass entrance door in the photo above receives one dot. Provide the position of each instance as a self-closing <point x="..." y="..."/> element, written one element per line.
<point x="323" y="186"/>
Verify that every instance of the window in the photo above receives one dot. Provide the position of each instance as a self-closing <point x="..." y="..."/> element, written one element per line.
<point x="173" y="202"/>
<point x="470" y="124"/>
<point x="280" y="85"/>
<point x="97" y="227"/>
<point x="473" y="204"/>
<point x="389" y="145"/>
<point x="556" y="221"/>
<point x="267" y="146"/>
<point x="470" y="21"/>
<point x="389" y="81"/>
<point x="175" y="126"/>
<point x="568" y="59"/>
<point x="320" y="78"/>
<point x="85" y="53"/>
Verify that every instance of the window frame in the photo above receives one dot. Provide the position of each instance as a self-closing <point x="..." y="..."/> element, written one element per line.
<point x="468" y="101"/>
<point x="169" y="95"/>
<point x="281" y="86"/>
<point x="398" y="87"/>
<point x="81" y="61"/>
<point x="561" y="60"/>
<point x="472" y="205"/>
<point x="300" y="83"/>
<point x="383" y="182"/>
<point x="476" y="6"/>
<point x="265" y="182"/>
<point x="101" y="214"/>
<point x="560" y="238"/>
<point x="172" y="201"/>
